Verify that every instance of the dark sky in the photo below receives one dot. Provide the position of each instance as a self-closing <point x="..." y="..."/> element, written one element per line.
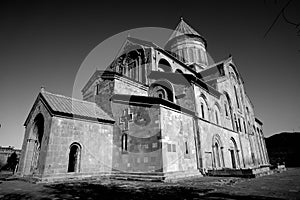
<point x="46" y="42"/>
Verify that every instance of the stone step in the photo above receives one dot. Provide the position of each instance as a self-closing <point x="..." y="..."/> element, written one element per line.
<point x="138" y="177"/>
<point x="245" y="173"/>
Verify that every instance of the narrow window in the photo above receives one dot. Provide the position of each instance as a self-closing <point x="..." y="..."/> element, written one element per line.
<point x="180" y="56"/>
<point x="240" y="127"/>
<point x="124" y="142"/>
<point x="185" y="54"/>
<point x="129" y="71"/>
<point x="217" y="119"/>
<point x="121" y="69"/>
<point x="133" y="69"/>
<point x="137" y="70"/>
<point x="124" y="70"/>
<point x="173" y="147"/>
<point x="226" y="109"/>
<point x="202" y="110"/>
<point x="74" y="158"/>
<point x="236" y="124"/>
<point x="203" y="56"/>
<point x="169" y="148"/>
<point x="191" y="55"/>
<point x="186" y="148"/>
<point x="97" y="88"/>
<point x="236" y="96"/>
<point x="199" y="55"/>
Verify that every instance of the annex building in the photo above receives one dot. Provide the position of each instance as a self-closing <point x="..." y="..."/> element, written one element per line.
<point x="155" y="112"/>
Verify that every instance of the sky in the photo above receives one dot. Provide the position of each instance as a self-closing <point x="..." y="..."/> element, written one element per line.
<point x="48" y="43"/>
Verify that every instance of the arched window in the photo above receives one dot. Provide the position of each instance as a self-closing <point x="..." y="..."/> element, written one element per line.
<point x="74" y="158"/>
<point x="217" y="115"/>
<point x="161" y="93"/>
<point x="164" y="66"/>
<point x="226" y="109"/>
<point x="234" y="153"/>
<point x="217" y="155"/>
<point x="161" y="89"/>
<point x="203" y="108"/>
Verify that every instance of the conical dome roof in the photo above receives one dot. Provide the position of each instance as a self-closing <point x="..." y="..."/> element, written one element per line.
<point x="184" y="29"/>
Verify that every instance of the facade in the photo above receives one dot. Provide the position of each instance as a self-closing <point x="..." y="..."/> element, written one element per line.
<point x="155" y="111"/>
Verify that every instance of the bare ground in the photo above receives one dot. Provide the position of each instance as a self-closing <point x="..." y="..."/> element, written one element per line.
<point x="285" y="185"/>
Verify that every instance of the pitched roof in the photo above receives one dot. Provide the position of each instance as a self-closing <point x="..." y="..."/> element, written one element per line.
<point x="63" y="105"/>
<point x="183" y="29"/>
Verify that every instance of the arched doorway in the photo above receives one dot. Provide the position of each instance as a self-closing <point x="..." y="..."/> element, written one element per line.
<point x="74" y="158"/>
<point x="34" y="145"/>
<point x="234" y="154"/>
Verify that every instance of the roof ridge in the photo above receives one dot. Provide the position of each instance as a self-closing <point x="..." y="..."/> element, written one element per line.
<point x="69" y="98"/>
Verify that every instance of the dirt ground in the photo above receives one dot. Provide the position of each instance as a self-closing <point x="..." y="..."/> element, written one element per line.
<point x="285" y="185"/>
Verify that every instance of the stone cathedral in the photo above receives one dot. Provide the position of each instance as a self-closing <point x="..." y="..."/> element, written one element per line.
<point x="154" y="113"/>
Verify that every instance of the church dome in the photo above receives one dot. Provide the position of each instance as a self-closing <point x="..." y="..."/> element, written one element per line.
<point x="188" y="46"/>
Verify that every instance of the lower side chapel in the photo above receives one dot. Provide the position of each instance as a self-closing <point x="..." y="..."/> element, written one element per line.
<point x="160" y="113"/>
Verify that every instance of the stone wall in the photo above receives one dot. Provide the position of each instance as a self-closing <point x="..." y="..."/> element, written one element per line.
<point x="188" y="101"/>
<point x="125" y="86"/>
<point x="208" y="132"/>
<point x="178" y="141"/>
<point x="143" y="151"/>
<point x="95" y="140"/>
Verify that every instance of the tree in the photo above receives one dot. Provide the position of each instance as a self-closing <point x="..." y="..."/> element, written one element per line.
<point x="12" y="161"/>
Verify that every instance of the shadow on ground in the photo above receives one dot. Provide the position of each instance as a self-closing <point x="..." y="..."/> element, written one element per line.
<point x="127" y="190"/>
<point x="284" y="185"/>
